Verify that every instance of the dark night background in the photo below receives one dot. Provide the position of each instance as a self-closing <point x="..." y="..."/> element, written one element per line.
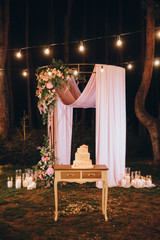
<point x="89" y="19"/>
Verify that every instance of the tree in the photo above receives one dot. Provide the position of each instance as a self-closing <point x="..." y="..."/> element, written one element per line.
<point x="4" y="24"/>
<point x="150" y="122"/>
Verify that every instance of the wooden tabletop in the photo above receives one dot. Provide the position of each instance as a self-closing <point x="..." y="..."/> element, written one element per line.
<point x="69" y="167"/>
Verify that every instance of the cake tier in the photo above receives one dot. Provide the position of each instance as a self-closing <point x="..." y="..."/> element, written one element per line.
<point x="82" y="149"/>
<point x="82" y="156"/>
<point x="84" y="164"/>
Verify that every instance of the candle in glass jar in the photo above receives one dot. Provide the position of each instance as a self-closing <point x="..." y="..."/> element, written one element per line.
<point x="149" y="183"/>
<point x="123" y="182"/>
<point x="133" y="182"/>
<point x="127" y="180"/>
<point x="25" y="183"/>
<point x="139" y="183"/>
<point x="18" y="183"/>
<point x="10" y="182"/>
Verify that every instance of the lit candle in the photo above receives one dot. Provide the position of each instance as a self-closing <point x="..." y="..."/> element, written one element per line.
<point x="31" y="186"/>
<point x="123" y="182"/>
<point x="149" y="183"/>
<point x="127" y="180"/>
<point x="10" y="182"/>
<point x="18" y="183"/>
<point x="25" y="183"/>
<point x="139" y="183"/>
<point x="133" y="182"/>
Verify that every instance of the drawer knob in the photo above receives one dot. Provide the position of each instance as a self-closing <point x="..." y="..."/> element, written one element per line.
<point x="91" y="174"/>
<point x="70" y="175"/>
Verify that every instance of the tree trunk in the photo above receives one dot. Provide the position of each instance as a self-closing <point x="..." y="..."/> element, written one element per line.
<point x="151" y="123"/>
<point x="4" y="23"/>
<point x="10" y="94"/>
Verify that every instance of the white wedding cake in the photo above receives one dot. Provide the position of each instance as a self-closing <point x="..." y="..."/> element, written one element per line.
<point x="82" y="158"/>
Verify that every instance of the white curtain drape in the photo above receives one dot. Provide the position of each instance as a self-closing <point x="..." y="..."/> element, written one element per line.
<point x="105" y="91"/>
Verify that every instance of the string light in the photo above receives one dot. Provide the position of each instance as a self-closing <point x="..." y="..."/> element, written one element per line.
<point x="119" y="42"/>
<point x="47" y="51"/>
<point x="156" y="62"/>
<point x="19" y="54"/>
<point x="49" y="73"/>
<point x="102" y="69"/>
<point x="24" y="73"/>
<point x="129" y="66"/>
<point x="75" y="72"/>
<point x="158" y="34"/>
<point x="81" y="47"/>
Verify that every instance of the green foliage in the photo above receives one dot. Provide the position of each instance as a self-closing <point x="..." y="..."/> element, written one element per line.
<point x="25" y="150"/>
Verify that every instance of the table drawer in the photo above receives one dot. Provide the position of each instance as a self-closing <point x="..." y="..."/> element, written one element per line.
<point x="91" y="174"/>
<point x="70" y="175"/>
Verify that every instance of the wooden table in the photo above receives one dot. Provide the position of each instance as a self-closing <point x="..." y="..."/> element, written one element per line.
<point x="65" y="173"/>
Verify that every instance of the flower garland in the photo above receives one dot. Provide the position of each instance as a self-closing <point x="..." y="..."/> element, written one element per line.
<point x="50" y="80"/>
<point x="44" y="169"/>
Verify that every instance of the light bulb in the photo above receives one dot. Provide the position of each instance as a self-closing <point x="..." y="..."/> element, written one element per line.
<point x="156" y="62"/>
<point x="19" y="54"/>
<point x="24" y="73"/>
<point x="49" y="73"/>
<point x="102" y="69"/>
<point x="46" y="51"/>
<point x="75" y="72"/>
<point x="119" y="42"/>
<point x="158" y="34"/>
<point x="130" y="66"/>
<point x="81" y="47"/>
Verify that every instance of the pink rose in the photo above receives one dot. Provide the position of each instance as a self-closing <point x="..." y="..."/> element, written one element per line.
<point x="45" y="78"/>
<point x="50" y="171"/>
<point x="49" y="85"/>
<point x="41" y="177"/>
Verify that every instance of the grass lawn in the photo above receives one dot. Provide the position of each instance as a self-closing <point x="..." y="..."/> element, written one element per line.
<point x="29" y="214"/>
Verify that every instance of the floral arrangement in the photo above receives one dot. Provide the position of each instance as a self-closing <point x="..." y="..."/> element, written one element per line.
<point x="50" y="80"/>
<point x="44" y="169"/>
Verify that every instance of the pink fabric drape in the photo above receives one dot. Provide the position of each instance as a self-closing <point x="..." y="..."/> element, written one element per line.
<point x="105" y="91"/>
<point x="111" y="121"/>
<point x="62" y="133"/>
